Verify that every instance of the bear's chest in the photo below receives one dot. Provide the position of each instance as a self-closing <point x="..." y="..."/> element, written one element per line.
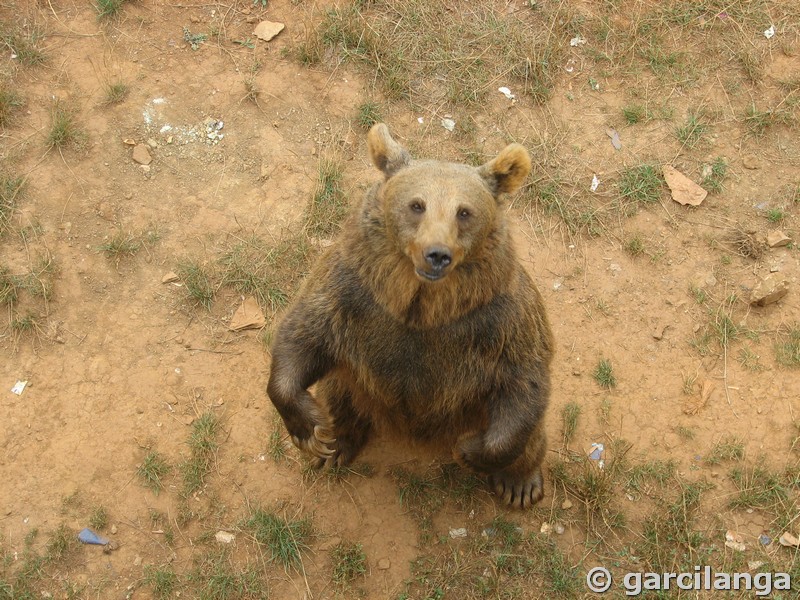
<point x="442" y="369"/>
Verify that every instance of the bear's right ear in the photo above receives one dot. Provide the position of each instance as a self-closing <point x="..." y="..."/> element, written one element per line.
<point x="386" y="154"/>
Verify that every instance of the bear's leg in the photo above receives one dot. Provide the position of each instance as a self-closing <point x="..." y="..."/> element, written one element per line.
<point x="350" y="428"/>
<point x="521" y="484"/>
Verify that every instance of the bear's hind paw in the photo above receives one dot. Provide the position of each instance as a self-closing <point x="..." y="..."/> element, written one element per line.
<point x="518" y="492"/>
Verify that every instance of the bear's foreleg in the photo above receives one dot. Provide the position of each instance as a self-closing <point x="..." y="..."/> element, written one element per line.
<point x="351" y="429"/>
<point x="295" y="368"/>
<point x="510" y="451"/>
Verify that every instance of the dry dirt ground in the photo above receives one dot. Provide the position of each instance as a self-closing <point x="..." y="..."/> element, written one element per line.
<point x="697" y="402"/>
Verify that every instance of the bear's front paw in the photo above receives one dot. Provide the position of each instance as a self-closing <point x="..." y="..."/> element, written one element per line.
<point x="320" y="444"/>
<point x="518" y="491"/>
<point x="469" y="452"/>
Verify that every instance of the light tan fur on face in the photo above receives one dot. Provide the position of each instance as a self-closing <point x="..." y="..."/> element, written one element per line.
<point x="437" y="228"/>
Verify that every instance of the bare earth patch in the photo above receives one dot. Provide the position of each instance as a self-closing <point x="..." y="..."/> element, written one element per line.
<point x="144" y="416"/>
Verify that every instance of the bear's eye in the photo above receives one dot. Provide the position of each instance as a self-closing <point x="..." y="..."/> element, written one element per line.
<point x="417" y="207"/>
<point x="464" y="213"/>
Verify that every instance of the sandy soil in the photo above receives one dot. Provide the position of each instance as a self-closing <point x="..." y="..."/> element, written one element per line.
<point x="120" y="363"/>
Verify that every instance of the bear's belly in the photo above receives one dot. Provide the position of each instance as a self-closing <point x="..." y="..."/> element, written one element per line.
<point x="424" y="382"/>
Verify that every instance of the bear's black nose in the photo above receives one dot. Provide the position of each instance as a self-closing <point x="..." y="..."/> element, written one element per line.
<point x="438" y="257"/>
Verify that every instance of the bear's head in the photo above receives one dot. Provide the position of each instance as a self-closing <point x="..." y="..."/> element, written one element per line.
<point x="440" y="214"/>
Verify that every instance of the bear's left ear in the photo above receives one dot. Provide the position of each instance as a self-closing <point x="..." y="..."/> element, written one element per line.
<point x="505" y="173"/>
<point x="386" y="154"/>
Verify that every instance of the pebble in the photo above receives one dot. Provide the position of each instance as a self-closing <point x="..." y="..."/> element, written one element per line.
<point x="566" y="504"/>
<point x="769" y="290"/>
<point x="141" y="154"/>
<point x="777" y="238"/>
<point x="459" y="533"/>
<point x="224" y="537"/>
<point x="384" y="564"/>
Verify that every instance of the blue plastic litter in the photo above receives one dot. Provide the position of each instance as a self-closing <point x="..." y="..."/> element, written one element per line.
<point x="87" y="536"/>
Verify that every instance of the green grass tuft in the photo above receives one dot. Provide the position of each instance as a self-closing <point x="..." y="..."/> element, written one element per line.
<point x="604" y="374"/>
<point x="349" y="562"/>
<point x="216" y="578"/>
<point x="269" y="272"/>
<point x="108" y="8"/>
<point x="787" y="349"/>
<point x="728" y="448"/>
<point x="64" y="129"/>
<point x="691" y="132"/>
<point x="10" y="190"/>
<point x="10" y="102"/>
<point x="203" y="447"/>
<point x="569" y="417"/>
<point x="640" y="185"/>
<point x="328" y="205"/>
<point x="369" y="113"/>
<point x="98" y="519"/>
<point x="120" y="245"/>
<point x="116" y="92"/>
<point x="153" y="469"/>
<point x="162" y="580"/>
<point x="285" y="539"/>
<point x="634" y="114"/>
<point x="198" y="284"/>
<point x="714" y="175"/>
<point x="25" y="46"/>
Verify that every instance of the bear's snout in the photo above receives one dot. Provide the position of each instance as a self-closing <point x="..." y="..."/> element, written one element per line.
<point x="435" y="264"/>
<point x="438" y="257"/>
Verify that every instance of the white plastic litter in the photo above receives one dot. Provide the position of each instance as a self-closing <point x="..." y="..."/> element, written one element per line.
<point x="595" y="184"/>
<point x="769" y="33"/>
<point x="506" y="92"/>
<point x="19" y="387"/>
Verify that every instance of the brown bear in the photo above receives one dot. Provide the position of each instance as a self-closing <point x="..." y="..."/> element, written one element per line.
<point x="421" y="318"/>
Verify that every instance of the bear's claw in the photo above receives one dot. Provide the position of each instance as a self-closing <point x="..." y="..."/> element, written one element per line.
<point x="515" y="492"/>
<point x="320" y="444"/>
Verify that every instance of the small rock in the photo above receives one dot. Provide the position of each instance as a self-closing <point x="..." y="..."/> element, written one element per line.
<point x="141" y="154"/>
<point x="247" y="316"/>
<point x="170" y="277"/>
<point x="658" y="330"/>
<point x="750" y="162"/>
<point x="789" y="540"/>
<point x="266" y="30"/>
<point x="113" y="530"/>
<point x="734" y="541"/>
<point x="384" y="564"/>
<point x="137" y="561"/>
<point x="152" y="143"/>
<point x="684" y="190"/>
<point x="566" y="504"/>
<point x="777" y="238"/>
<point x="770" y="289"/>
<point x="559" y="528"/>
<point x="546" y="528"/>
<point x="224" y="537"/>
<point x="459" y="533"/>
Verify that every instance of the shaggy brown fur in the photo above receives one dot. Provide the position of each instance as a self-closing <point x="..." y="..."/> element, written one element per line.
<point x="421" y="317"/>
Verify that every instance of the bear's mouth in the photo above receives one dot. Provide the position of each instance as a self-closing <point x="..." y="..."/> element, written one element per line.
<point x="430" y="276"/>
